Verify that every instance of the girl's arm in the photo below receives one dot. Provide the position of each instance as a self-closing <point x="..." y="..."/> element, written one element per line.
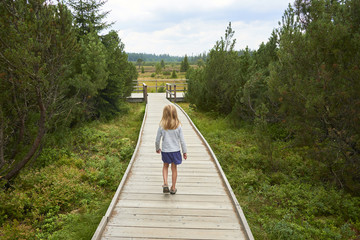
<point x="182" y="142"/>
<point x="157" y="141"/>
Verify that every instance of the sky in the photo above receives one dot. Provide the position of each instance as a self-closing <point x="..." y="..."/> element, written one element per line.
<point x="192" y="26"/>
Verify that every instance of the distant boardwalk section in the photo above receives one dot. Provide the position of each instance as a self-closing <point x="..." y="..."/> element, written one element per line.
<point x="204" y="206"/>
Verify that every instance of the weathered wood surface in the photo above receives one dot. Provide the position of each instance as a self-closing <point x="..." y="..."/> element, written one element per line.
<point x="201" y="209"/>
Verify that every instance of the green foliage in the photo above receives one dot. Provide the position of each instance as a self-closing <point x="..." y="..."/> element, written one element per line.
<point x="217" y="84"/>
<point x="305" y="78"/>
<point x="158" y="68"/>
<point x="162" y="63"/>
<point x="87" y="15"/>
<point x="281" y="197"/>
<point x="67" y="192"/>
<point x="166" y="73"/>
<point x="90" y="72"/>
<point x="37" y="44"/>
<point x="162" y="89"/>
<point x="58" y="72"/>
<point x="184" y="64"/>
<point x="121" y="74"/>
<point x="173" y="74"/>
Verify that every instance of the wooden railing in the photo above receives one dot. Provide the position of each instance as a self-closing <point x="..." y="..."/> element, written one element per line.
<point x="145" y="93"/>
<point x="159" y="84"/>
<point x="171" y="91"/>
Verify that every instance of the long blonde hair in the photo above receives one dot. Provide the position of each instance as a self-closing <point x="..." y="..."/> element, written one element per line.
<point x="169" y="118"/>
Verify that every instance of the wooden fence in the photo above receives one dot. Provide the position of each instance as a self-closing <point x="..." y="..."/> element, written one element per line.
<point x="159" y="85"/>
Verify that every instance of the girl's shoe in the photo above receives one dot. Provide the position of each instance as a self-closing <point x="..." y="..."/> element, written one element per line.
<point x="173" y="191"/>
<point x="165" y="188"/>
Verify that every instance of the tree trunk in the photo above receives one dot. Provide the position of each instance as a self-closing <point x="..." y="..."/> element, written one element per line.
<point x="37" y="141"/>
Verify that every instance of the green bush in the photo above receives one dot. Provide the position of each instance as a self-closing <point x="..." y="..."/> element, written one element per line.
<point x="281" y="197"/>
<point x="67" y="191"/>
<point x="162" y="89"/>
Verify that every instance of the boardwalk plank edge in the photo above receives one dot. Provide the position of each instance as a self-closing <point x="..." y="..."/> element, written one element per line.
<point x="232" y="195"/>
<point x="100" y="229"/>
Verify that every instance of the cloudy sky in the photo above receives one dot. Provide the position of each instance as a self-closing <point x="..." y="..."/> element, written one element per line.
<point x="192" y="26"/>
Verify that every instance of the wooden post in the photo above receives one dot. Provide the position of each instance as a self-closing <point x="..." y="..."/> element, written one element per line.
<point x="174" y="93"/>
<point x="167" y="89"/>
<point x="156" y="86"/>
<point x="170" y="93"/>
<point x="145" y="92"/>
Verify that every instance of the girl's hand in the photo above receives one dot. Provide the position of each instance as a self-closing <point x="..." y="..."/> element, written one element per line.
<point x="158" y="151"/>
<point x="185" y="156"/>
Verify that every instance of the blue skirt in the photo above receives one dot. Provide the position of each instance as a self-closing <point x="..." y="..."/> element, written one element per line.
<point x="171" y="157"/>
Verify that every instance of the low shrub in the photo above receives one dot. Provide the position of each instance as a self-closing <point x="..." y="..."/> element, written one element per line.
<point x="279" y="191"/>
<point x="67" y="191"/>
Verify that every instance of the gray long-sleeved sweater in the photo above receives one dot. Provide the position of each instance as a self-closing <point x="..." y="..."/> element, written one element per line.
<point x="171" y="140"/>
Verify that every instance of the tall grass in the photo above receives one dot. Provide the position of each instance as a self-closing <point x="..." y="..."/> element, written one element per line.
<point x="276" y="184"/>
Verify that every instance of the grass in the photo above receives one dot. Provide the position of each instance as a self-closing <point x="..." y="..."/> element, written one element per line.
<point x="151" y="79"/>
<point x="276" y="185"/>
<point x="68" y="189"/>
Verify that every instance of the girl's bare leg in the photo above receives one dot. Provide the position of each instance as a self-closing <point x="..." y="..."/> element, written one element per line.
<point x="174" y="175"/>
<point x="165" y="173"/>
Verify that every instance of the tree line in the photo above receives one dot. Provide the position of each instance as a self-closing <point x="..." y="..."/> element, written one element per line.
<point x="305" y="79"/>
<point x="56" y="71"/>
<point x="151" y="58"/>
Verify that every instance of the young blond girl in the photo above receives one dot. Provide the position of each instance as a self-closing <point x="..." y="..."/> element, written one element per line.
<point x="172" y="137"/>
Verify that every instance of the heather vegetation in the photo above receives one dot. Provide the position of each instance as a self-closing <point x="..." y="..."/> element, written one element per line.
<point x="284" y="121"/>
<point x="67" y="190"/>
<point x="66" y="133"/>
<point x="304" y="81"/>
<point x="276" y="183"/>
<point x="56" y="71"/>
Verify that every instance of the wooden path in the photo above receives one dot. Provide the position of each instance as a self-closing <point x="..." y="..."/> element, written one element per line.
<point x="203" y="207"/>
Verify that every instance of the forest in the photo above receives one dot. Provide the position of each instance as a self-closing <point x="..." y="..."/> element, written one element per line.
<point x="301" y="86"/>
<point x="284" y="119"/>
<point x="56" y="72"/>
<point x="151" y="59"/>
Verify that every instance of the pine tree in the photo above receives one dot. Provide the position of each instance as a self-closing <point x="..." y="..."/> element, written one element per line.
<point x="184" y="64"/>
<point x="121" y="74"/>
<point x="88" y="16"/>
<point x="37" y="43"/>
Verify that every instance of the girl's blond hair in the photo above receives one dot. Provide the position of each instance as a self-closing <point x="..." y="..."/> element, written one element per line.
<point x="169" y="118"/>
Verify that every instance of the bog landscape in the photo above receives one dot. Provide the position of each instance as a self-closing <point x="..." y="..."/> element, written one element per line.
<point x="283" y="121"/>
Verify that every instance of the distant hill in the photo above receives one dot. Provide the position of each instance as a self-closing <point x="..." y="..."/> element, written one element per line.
<point x="133" y="57"/>
<point x="147" y="57"/>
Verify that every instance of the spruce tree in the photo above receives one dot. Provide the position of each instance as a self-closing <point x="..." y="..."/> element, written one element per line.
<point x="88" y="15"/>
<point x="184" y="64"/>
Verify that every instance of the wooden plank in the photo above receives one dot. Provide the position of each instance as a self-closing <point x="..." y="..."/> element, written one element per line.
<point x="159" y="183"/>
<point x="173" y="203"/>
<point x="180" y="179"/>
<point x="159" y="197"/>
<point x="201" y="209"/>
<point x="172" y="233"/>
<point x="180" y="169"/>
<point x="185" y="174"/>
<point x="174" y="222"/>
<point x="221" y="213"/>
<point x="185" y="190"/>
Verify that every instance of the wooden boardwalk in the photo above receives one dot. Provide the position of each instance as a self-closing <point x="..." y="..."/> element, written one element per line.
<point x="203" y="208"/>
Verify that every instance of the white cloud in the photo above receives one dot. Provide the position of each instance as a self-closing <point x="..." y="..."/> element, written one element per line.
<point x="192" y="26"/>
